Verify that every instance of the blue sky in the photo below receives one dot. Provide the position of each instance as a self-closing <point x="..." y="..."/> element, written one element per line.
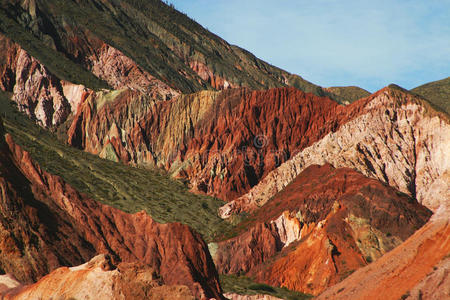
<point x="337" y="42"/>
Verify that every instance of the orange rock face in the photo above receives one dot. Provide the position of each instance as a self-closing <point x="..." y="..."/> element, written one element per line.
<point x="224" y="143"/>
<point x="323" y="226"/>
<point x="250" y="144"/>
<point x="100" y="279"/>
<point x="406" y="271"/>
<point x="393" y="136"/>
<point x="45" y="224"/>
<point x="111" y="65"/>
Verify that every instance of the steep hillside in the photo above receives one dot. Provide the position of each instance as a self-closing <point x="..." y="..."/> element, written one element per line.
<point x="417" y="269"/>
<point x="323" y="226"/>
<point x="346" y="94"/>
<point x="45" y="224"/>
<point x="127" y="126"/>
<point x="395" y="137"/>
<point x="437" y="92"/>
<point x="162" y="41"/>
<point x="126" y="188"/>
<point x="99" y="279"/>
<point x="222" y="142"/>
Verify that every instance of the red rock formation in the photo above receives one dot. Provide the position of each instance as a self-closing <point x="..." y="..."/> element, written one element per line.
<point x="343" y="220"/>
<point x="99" y="279"/>
<point x="404" y="272"/>
<point x="395" y="137"/>
<point x="224" y="143"/>
<point x="111" y="65"/>
<point x="34" y="88"/>
<point x="229" y="142"/>
<point x="45" y="224"/>
<point x="207" y="75"/>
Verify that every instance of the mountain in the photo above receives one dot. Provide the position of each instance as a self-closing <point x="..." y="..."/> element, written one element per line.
<point x="209" y="138"/>
<point x="392" y="135"/>
<point x="347" y="94"/>
<point x="417" y="269"/>
<point x="163" y="42"/>
<point x="46" y="224"/>
<point x="52" y="51"/>
<point x="129" y="189"/>
<point x="143" y="157"/>
<point x="437" y="92"/>
<point x="327" y="223"/>
<point x="99" y="276"/>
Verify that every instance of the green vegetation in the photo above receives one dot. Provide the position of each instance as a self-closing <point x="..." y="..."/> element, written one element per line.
<point x="246" y="286"/>
<point x="155" y="35"/>
<point x="437" y="92"/>
<point x="345" y="94"/>
<point x="127" y="188"/>
<point x="57" y="63"/>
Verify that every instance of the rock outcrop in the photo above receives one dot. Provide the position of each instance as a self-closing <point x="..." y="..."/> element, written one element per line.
<point x="224" y="143"/>
<point x="435" y="285"/>
<point x="230" y="142"/>
<point x="416" y="268"/>
<point x="111" y="65"/>
<point x="324" y="225"/>
<point x="100" y="279"/>
<point x="396" y="137"/>
<point x="37" y="92"/>
<point x="49" y="99"/>
<point x="46" y="224"/>
<point x="104" y="36"/>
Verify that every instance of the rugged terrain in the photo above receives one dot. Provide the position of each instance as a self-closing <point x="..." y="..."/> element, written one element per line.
<point x="417" y="269"/>
<point x="222" y="142"/>
<point x="46" y="224"/>
<point x="395" y="137"/>
<point x="126" y="105"/>
<point x="101" y="277"/>
<point x="327" y="223"/>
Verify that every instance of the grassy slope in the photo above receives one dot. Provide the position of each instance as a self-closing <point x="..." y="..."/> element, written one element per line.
<point x="347" y="93"/>
<point x="245" y="286"/>
<point x="56" y="62"/>
<point x="127" y="188"/>
<point x="437" y="92"/>
<point x="158" y="37"/>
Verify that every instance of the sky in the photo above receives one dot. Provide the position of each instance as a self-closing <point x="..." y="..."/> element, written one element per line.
<point x="337" y="42"/>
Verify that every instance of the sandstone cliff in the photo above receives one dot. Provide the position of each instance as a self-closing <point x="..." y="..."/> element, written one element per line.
<point x="324" y="225"/>
<point x="223" y="142"/>
<point x="99" y="279"/>
<point x="417" y="269"/>
<point x="396" y="137"/>
<point x="45" y="224"/>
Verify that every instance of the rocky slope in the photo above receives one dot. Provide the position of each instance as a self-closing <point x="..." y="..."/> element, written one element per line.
<point x="417" y="269"/>
<point x="107" y="37"/>
<point x="37" y="92"/>
<point x="437" y="92"/>
<point x="45" y="224"/>
<point x="223" y="142"/>
<point x="98" y="279"/>
<point x="346" y="94"/>
<point x="395" y="137"/>
<point x="324" y="225"/>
